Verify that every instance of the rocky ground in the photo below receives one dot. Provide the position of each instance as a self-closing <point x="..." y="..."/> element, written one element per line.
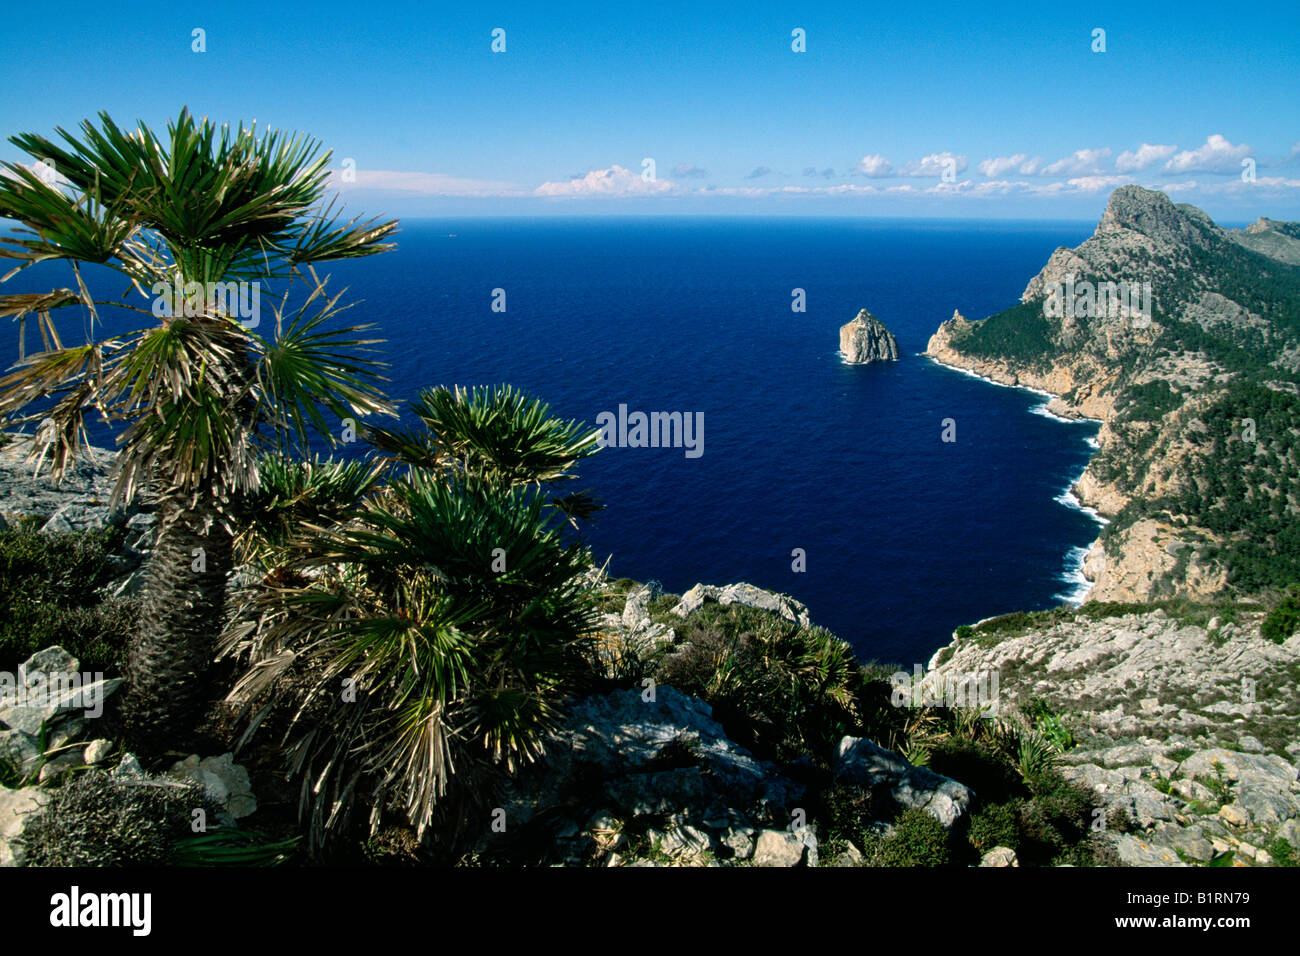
<point x="1188" y="728"/>
<point x="865" y="339"/>
<point x="78" y="502"/>
<point x="1185" y="723"/>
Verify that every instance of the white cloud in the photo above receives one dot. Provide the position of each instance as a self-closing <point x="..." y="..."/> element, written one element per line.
<point x="1145" y="155"/>
<point x="1001" y="187"/>
<point x="424" y="184"/>
<point x="614" y="181"/>
<point x="1216" y="156"/>
<point x="874" y="167"/>
<point x="1092" y="184"/>
<point x="1032" y="167"/>
<point x="48" y="173"/>
<point x="934" y="165"/>
<point x="1083" y="162"/>
<point x="1000" y="165"/>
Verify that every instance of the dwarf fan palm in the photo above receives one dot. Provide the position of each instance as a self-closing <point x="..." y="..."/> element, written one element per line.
<point x="496" y="435"/>
<point x="181" y="218"/>
<point x="436" y="633"/>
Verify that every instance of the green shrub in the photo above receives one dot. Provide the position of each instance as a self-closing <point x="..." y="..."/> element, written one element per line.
<point x="917" y="839"/>
<point x="1283" y="620"/>
<point x="49" y="595"/>
<point x="845" y="810"/>
<point x="778" y="688"/>
<point x="1093" y="850"/>
<point x="1048" y="724"/>
<point x="233" y="846"/>
<point x="1057" y="817"/>
<point x="995" y="825"/>
<point x="1036" y="756"/>
<point x="1282" y="852"/>
<point x="97" y="820"/>
<point x="979" y="767"/>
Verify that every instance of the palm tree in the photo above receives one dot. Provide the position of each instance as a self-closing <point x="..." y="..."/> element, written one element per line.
<point x="436" y="634"/>
<point x="184" y="218"/>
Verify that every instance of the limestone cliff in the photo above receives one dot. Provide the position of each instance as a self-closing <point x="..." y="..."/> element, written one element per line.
<point x="1183" y="374"/>
<point x="865" y="339"/>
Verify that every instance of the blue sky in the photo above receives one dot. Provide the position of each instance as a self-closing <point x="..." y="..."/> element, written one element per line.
<point x="1009" y="101"/>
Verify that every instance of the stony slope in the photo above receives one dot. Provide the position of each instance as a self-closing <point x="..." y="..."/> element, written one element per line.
<point x="1185" y="720"/>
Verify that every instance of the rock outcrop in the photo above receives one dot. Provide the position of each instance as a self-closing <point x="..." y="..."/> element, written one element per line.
<point x="1185" y="727"/>
<point x="78" y="502"/>
<point x="45" y="709"/>
<point x="746" y="595"/>
<point x="865" y="339"/>
<point x="652" y="777"/>
<point x="861" y="762"/>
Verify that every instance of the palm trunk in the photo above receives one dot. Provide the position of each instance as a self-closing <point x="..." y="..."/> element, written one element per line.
<point x="183" y="611"/>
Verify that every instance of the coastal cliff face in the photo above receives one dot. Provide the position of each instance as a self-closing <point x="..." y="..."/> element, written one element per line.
<point x="1195" y="380"/>
<point x="865" y="339"/>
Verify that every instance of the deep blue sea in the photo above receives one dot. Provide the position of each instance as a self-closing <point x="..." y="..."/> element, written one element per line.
<point x="905" y="536"/>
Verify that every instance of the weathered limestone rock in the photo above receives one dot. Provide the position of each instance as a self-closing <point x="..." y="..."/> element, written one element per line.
<point x="16" y="806"/>
<point x="784" y="848"/>
<point x="865" y="339"/>
<point x="1000" y="856"/>
<point x="224" y="781"/>
<point x="660" y="766"/>
<point x="864" y="763"/>
<point x="48" y="701"/>
<point x="1134" y="851"/>
<point x="744" y="594"/>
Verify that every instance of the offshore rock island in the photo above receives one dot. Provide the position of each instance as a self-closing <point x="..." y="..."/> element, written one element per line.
<point x="865" y="339"/>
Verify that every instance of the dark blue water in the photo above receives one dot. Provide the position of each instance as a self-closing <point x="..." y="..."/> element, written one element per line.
<point x="905" y="536"/>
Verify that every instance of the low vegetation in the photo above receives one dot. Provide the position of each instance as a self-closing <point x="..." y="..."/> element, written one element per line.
<point x="50" y="594"/>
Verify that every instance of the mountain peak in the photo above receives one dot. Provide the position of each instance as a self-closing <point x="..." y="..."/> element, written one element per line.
<point x="1139" y="209"/>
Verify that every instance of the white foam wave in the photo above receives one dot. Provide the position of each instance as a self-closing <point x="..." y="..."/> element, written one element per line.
<point x="1040" y="409"/>
<point x="1072" y="575"/>
<point x="1071" y="501"/>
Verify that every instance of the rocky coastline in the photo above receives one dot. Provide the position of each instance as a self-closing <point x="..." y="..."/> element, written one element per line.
<point x="1106" y="367"/>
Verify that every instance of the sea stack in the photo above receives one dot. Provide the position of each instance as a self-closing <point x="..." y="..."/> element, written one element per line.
<point x="866" y="339"/>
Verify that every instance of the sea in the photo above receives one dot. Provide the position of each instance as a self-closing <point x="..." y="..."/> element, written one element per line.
<point x="829" y="482"/>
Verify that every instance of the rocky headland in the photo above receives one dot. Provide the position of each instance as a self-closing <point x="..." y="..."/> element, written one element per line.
<point x="1196" y="467"/>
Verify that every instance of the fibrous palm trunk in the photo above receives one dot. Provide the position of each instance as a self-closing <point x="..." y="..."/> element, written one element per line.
<point x="183" y="610"/>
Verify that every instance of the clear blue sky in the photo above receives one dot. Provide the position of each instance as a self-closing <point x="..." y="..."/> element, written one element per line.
<point x="1009" y="99"/>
